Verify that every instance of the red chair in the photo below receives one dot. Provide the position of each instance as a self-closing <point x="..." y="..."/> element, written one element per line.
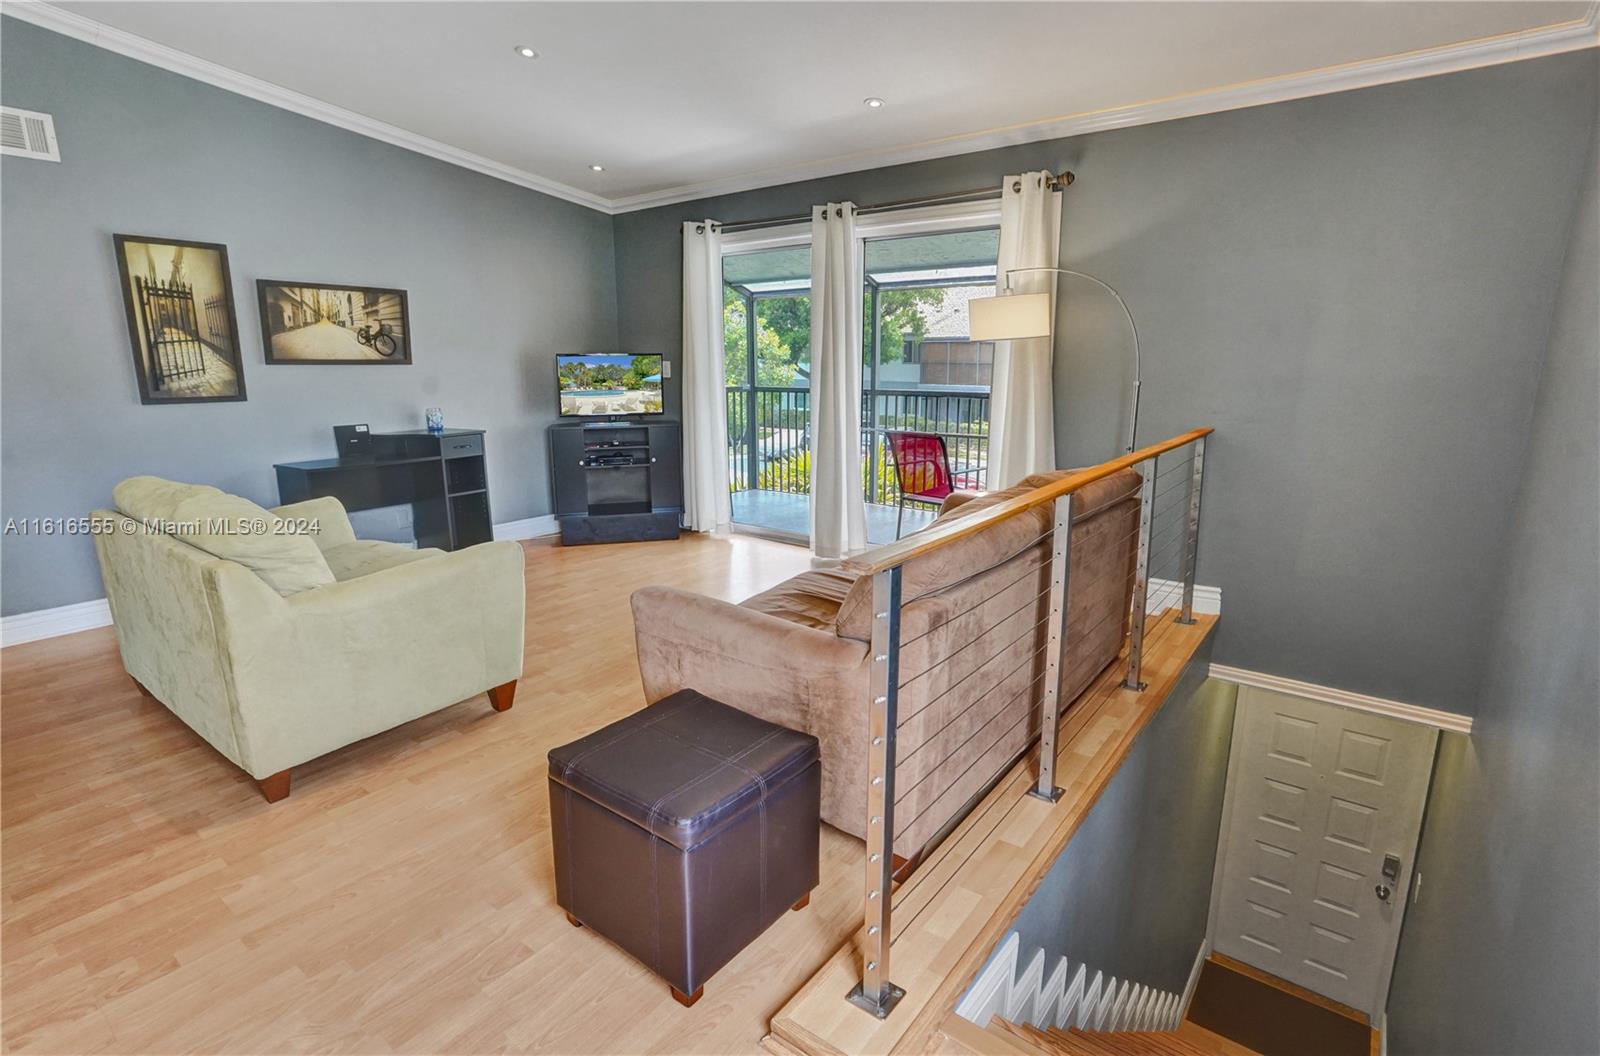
<point x="922" y="469"/>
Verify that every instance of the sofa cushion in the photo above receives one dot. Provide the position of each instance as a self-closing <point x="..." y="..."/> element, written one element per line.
<point x="228" y="527"/>
<point x="366" y="556"/>
<point x="811" y="599"/>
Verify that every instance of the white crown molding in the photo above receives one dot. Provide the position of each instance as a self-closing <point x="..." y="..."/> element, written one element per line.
<point x="87" y="615"/>
<point x="1487" y="51"/>
<point x="171" y="59"/>
<point x="1448" y="721"/>
<point x="1449" y="58"/>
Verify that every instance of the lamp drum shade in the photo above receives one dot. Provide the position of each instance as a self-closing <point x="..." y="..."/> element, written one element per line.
<point x="1009" y="318"/>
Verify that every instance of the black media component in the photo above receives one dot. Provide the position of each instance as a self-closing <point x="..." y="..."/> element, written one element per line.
<point x="616" y="482"/>
<point x="352" y="441"/>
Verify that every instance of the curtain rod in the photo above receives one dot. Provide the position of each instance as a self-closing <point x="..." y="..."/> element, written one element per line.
<point x="1058" y="182"/>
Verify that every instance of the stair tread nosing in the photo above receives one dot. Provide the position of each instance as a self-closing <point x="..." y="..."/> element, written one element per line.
<point x="1192" y="1042"/>
<point x="1110" y="1043"/>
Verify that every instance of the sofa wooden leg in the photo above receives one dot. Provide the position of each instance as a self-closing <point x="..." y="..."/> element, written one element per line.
<point x="275" y="787"/>
<point x="500" y="697"/>
<point x="805" y="900"/>
<point x="574" y="921"/>
<point x="688" y="1000"/>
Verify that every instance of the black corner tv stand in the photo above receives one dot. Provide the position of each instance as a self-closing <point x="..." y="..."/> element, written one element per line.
<point x="616" y="481"/>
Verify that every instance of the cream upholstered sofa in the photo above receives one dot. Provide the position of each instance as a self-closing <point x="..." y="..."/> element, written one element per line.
<point x="971" y="627"/>
<point x="278" y="636"/>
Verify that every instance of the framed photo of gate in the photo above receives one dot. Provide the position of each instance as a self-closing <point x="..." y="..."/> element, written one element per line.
<point x="181" y="320"/>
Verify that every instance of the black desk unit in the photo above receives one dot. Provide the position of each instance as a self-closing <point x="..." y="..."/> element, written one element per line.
<point x="441" y="476"/>
<point x="616" y="482"/>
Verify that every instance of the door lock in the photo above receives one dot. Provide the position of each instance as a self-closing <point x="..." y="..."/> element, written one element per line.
<point x="1391" y="875"/>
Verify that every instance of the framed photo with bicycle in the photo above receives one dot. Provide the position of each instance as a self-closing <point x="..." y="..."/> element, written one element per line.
<point x="319" y="322"/>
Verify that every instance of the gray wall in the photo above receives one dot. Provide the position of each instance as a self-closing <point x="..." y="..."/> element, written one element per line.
<point x="1130" y="893"/>
<point x="1352" y="289"/>
<point x="500" y="279"/>
<point x="1501" y="953"/>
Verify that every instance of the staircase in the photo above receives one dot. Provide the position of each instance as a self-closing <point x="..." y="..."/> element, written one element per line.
<point x="1078" y="1011"/>
<point x="1187" y="1040"/>
<point x="1067" y="997"/>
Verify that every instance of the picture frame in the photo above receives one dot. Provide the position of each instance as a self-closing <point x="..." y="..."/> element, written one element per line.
<point x="333" y="323"/>
<point x="183" y="327"/>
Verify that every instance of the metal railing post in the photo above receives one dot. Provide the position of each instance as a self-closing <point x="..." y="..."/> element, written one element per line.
<point x="876" y="993"/>
<point x="1191" y="545"/>
<point x="1056" y="630"/>
<point x="1141" y="576"/>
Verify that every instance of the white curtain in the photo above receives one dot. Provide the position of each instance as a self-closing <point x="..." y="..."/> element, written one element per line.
<point x="707" y="506"/>
<point x="1022" y="405"/>
<point x="838" y="509"/>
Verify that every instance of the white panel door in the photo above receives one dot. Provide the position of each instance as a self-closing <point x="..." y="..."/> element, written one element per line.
<point x="1320" y="797"/>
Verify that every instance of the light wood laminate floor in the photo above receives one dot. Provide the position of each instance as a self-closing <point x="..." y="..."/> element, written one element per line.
<point x="400" y="900"/>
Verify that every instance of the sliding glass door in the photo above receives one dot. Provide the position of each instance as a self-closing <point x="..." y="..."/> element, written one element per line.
<point x="921" y="374"/>
<point x="766" y="317"/>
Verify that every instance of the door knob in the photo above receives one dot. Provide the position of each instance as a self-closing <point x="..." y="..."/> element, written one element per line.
<point x="1383" y="892"/>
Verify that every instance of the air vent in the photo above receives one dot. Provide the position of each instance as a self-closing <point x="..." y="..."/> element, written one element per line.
<point x="28" y="134"/>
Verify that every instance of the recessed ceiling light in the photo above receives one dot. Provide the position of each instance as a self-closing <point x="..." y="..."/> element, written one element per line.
<point x="597" y="168"/>
<point x="525" y="51"/>
<point x="873" y="102"/>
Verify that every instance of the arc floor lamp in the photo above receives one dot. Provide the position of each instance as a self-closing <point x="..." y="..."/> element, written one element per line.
<point x="1014" y="316"/>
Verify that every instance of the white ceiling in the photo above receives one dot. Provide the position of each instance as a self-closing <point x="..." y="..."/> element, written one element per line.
<point x="677" y="99"/>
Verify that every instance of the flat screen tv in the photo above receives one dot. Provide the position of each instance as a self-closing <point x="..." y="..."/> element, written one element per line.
<point x="606" y="385"/>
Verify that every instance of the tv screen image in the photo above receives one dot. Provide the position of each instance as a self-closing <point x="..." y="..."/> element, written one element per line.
<point x="605" y="385"/>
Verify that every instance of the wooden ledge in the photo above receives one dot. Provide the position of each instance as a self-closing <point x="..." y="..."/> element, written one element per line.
<point x="958" y="904"/>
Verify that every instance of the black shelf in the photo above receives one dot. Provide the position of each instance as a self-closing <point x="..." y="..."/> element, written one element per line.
<point x="441" y="476"/>
<point x="636" y="495"/>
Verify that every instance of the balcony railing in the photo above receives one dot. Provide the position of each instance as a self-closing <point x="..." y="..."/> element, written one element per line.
<point x="769" y="434"/>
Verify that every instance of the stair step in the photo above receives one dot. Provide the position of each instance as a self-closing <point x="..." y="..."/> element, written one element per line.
<point x="999" y="1038"/>
<point x="1035" y="1039"/>
<point x="1187" y="1040"/>
<point x="1114" y="1043"/>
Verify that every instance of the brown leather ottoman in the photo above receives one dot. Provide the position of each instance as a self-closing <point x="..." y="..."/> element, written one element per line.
<point x="682" y="831"/>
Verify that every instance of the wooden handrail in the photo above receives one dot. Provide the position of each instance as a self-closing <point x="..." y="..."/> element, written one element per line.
<point x="943" y="534"/>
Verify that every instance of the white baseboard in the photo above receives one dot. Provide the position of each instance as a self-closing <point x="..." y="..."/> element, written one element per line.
<point x="988" y="995"/>
<point x="48" y="623"/>
<point x="1168" y="594"/>
<point x="87" y="615"/>
<point x="1448" y="721"/>
<point x="1200" y="956"/>
<point x="528" y="528"/>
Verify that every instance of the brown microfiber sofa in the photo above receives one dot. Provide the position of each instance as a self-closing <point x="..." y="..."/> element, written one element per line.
<point x="971" y="626"/>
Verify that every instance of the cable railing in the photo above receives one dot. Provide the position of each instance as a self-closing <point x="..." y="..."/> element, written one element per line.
<point x="986" y="626"/>
<point x="769" y="434"/>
